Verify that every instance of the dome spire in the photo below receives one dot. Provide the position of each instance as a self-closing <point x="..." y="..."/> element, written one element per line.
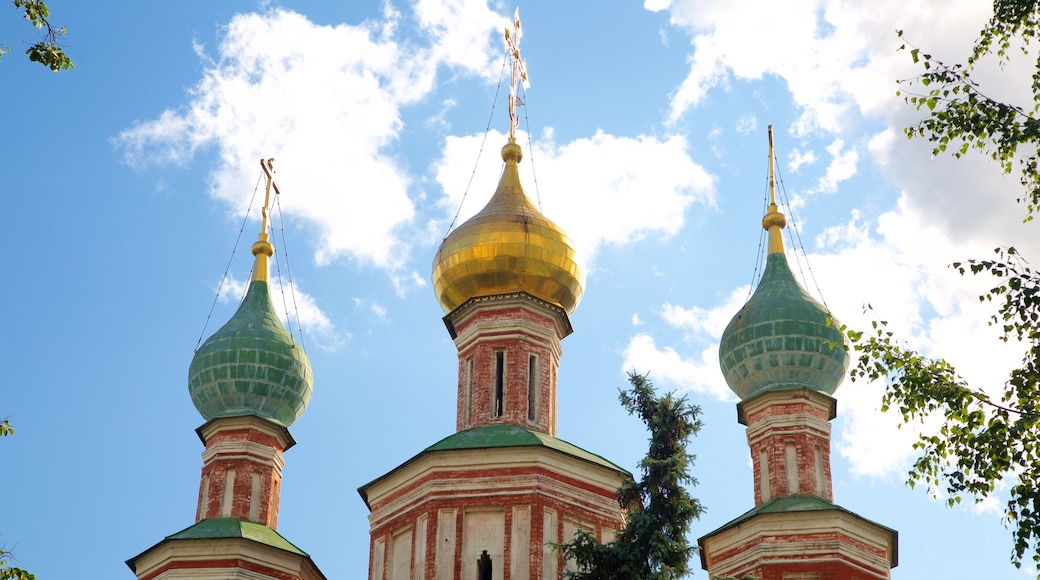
<point x="774" y="221"/>
<point x="782" y="338"/>
<point x="262" y="249"/>
<point x="252" y="365"/>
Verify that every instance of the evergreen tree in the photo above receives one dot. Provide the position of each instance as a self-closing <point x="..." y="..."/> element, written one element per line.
<point x="653" y="544"/>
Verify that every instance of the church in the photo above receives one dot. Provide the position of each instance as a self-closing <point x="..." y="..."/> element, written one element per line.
<point x="488" y="502"/>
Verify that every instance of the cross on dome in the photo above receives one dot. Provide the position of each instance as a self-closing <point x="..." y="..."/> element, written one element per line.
<point x="518" y="74"/>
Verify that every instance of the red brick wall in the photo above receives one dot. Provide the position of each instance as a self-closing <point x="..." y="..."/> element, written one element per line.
<point x="805" y="434"/>
<point x="518" y="344"/>
<point x="244" y="464"/>
<point x="500" y="493"/>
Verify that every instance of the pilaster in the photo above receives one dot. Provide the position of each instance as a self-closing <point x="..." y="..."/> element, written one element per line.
<point x="242" y="469"/>
<point x="509" y="353"/>
<point x="789" y="434"/>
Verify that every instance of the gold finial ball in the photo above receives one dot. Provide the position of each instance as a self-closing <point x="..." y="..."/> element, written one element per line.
<point x="773" y="218"/>
<point x="263" y="247"/>
<point x="511" y="152"/>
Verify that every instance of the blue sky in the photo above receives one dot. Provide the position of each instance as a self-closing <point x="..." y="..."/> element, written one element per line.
<point x="126" y="180"/>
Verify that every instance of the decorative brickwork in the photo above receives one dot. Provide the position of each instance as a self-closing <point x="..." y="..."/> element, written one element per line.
<point x="789" y="434"/>
<point x="242" y="469"/>
<point x="508" y="329"/>
<point x="795" y="532"/>
<point x="503" y="486"/>
<point x="495" y="500"/>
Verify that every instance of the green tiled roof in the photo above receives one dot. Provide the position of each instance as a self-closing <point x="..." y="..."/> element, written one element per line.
<point x="251" y="366"/>
<point x="228" y="528"/>
<point x="218" y="528"/>
<point x="490" y="436"/>
<point x="782" y="338"/>
<point x="501" y="436"/>
<point x="792" y="504"/>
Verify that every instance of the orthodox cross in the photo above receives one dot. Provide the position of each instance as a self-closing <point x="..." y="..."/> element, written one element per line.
<point x="519" y="72"/>
<point x="268" y="166"/>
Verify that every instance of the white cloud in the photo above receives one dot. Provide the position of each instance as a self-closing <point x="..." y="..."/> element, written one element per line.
<point x="796" y="159"/>
<point x="839" y="62"/>
<point x="701" y="372"/>
<point x="379" y="310"/>
<point x="841" y="167"/>
<point x="459" y="29"/>
<point x="325" y="101"/>
<point x="709" y="322"/>
<point x="666" y="366"/>
<point x="438" y="121"/>
<point x="747" y="124"/>
<point x="656" y="5"/>
<point x="600" y="190"/>
<point x="834" y="56"/>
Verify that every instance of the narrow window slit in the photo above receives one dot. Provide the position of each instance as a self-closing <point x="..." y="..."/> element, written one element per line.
<point x="484" y="566"/>
<point x="500" y="360"/>
<point x="532" y="388"/>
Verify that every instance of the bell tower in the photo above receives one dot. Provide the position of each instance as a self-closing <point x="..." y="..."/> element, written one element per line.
<point x="488" y="501"/>
<point x="784" y="356"/>
<point x="250" y="381"/>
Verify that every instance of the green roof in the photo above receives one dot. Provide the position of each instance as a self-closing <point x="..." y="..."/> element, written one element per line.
<point x="782" y="338"/>
<point x="227" y="528"/>
<point x="502" y="436"/>
<point x="491" y="436"/>
<point x="217" y="528"/>
<point x="251" y="366"/>
<point x="790" y="504"/>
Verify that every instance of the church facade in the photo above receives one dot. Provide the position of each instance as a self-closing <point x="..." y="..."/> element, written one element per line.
<point x="490" y="501"/>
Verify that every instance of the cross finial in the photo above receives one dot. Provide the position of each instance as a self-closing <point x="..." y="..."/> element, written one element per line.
<point x="519" y="72"/>
<point x="263" y="249"/>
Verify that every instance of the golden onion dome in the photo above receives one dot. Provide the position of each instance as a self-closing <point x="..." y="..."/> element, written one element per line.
<point x="509" y="246"/>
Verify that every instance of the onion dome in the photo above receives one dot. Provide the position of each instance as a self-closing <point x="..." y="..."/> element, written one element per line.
<point x="252" y="366"/>
<point x="509" y="246"/>
<point x="782" y="338"/>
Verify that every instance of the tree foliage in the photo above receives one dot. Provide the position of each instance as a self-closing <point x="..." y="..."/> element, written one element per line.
<point x="983" y="441"/>
<point x="8" y="572"/>
<point x="653" y="544"/>
<point x="47" y="51"/>
<point x="960" y="115"/>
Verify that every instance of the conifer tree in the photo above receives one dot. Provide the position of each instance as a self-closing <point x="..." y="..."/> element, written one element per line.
<point x="653" y="543"/>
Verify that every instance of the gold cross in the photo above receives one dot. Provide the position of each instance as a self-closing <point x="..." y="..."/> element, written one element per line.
<point x="519" y="72"/>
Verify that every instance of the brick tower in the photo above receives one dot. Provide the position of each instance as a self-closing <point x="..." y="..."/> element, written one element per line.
<point x="784" y="356"/>
<point x="250" y="381"/>
<point x="485" y="502"/>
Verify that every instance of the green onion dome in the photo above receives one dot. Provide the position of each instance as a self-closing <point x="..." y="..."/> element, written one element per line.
<point x="782" y="338"/>
<point x="252" y="366"/>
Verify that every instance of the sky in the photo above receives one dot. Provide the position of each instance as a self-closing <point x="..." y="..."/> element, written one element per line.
<point x="126" y="183"/>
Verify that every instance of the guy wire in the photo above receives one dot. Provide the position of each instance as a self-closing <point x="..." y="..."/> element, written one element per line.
<point x="487" y="130"/>
<point x="227" y="269"/>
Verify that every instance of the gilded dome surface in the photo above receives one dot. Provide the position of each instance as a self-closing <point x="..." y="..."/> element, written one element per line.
<point x="782" y="338"/>
<point x="251" y="366"/>
<point x="508" y="246"/>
